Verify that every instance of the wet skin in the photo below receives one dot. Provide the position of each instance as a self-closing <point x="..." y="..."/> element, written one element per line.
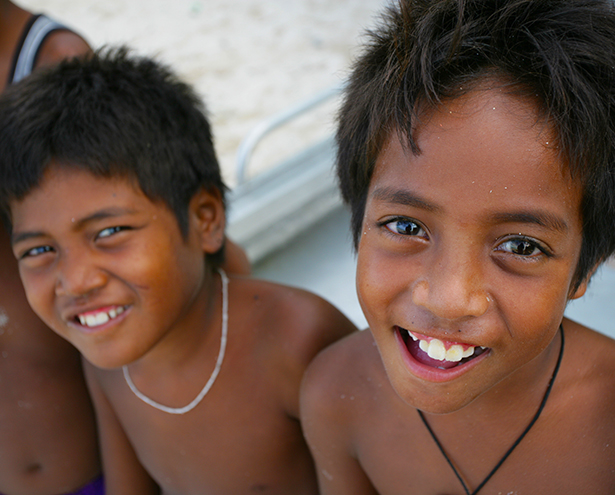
<point x="474" y="241"/>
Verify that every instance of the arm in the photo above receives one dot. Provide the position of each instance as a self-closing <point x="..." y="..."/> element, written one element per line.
<point x="314" y="325"/>
<point x="123" y="473"/>
<point x="326" y="425"/>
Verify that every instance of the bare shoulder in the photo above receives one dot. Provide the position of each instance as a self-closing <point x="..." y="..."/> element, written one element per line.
<point x="341" y="377"/>
<point x="60" y="45"/>
<point x="587" y="382"/>
<point x="345" y="404"/>
<point x="283" y="328"/>
<point x="299" y="321"/>
<point x="592" y="353"/>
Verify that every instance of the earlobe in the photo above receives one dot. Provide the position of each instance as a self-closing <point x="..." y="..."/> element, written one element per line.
<point x="580" y="290"/>
<point x="206" y="211"/>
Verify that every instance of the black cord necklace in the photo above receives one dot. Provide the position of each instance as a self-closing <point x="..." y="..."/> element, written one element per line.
<point x="509" y="451"/>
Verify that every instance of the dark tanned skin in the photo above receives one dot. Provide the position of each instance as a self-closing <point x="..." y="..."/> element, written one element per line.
<point x="47" y="428"/>
<point x="442" y="254"/>
<point x="87" y="243"/>
<point x="48" y="439"/>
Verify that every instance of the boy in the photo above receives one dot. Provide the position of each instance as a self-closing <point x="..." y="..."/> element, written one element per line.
<point x="114" y="195"/>
<point x="48" y="441"/>
<point x="477" y="152"/>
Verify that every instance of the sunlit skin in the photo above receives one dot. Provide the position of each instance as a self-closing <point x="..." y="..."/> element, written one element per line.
<point x="90" y="246"/>
<point x="75" y="260"/>
<point x="47" y="427"/>
<point x="473" y="241"/>
<point x="442" y="252"/>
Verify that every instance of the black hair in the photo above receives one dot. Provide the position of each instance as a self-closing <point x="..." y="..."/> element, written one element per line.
<point x="112" y="114"/>
<point x="559" y="53"/>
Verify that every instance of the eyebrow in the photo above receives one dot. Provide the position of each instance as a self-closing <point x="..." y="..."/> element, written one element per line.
<point x="77" y="225"/>
<point x="543" y="219"/>
<point x="402" y="197"/>
<point x="540" y="218"/>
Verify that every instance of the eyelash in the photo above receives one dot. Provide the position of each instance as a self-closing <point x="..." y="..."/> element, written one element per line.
<point x="529" y="242"/>
<point x="537" y="248"/>
<point x="112" y="230"/>
<point x="416" y="227"/>
<point x="36" y="251"/>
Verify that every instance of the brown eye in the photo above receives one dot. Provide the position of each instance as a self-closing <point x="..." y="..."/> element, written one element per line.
<point x="521" y="247"/>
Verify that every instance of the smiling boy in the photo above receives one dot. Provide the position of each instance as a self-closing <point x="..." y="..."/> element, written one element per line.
<point x="477" y="153"/>
<point x="114" y="194"/>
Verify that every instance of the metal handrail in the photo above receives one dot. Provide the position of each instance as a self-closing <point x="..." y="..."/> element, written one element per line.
<point x="249" y="143"/>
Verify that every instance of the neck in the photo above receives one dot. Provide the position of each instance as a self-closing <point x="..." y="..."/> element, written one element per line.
<point x="194" y="337"/>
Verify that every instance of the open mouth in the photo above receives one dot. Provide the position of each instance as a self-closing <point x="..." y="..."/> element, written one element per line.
<point x="99" y="317"/>
<point x="437" y="353"/>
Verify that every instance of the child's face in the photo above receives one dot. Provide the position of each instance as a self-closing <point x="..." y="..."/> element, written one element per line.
<point x="104" y="266"/>
<point x="474" y="242"/>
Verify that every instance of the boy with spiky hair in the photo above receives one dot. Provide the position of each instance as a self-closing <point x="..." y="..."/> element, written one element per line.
<point x="112" y="188"/>
<point x="477" y="153"/>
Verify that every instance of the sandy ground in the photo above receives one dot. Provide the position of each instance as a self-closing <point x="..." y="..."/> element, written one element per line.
<point x="248" y="58"/>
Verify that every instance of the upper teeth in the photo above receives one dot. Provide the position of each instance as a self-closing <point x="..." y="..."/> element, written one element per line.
<point x="436" y="349"/>
<point x="100" y="318"/>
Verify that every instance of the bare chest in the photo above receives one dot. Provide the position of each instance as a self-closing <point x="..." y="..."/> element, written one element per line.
<point x="237" y="440"/>
<point x="553" y="458"/>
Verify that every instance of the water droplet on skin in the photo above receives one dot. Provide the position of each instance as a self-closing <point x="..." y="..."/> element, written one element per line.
<point x="4" y="320"/>
<point x="327" y="475"/>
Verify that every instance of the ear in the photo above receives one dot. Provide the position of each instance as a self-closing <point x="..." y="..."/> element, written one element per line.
<point x="207" y="218"/>
<point x="582" y="288"/>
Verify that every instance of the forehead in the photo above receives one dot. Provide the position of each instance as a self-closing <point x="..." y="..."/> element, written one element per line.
<point x="486" y="148"/>
<point x="74" y="192"/>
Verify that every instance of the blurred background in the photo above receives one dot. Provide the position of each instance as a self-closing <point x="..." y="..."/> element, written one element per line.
<point x="248" y="59"/>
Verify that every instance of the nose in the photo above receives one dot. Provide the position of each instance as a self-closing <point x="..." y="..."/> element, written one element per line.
<point x="453" y="287"/>
<point x="78" y="274"/>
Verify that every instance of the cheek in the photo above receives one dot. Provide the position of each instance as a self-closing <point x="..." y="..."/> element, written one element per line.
<point x="382" y="278"/>
<point x="532" y="303"/>
<point x="39" y="291"/>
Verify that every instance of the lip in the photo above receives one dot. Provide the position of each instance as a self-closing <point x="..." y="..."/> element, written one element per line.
<point x="429" y="373"/>
<point x="73" y="323"/>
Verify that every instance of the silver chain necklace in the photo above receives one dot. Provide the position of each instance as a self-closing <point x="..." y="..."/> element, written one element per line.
<point x="212" y="378"/>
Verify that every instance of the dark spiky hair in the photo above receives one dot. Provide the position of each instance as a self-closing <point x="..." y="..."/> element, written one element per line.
<point x="113" y="114"/>
<point x="559" y="53"/>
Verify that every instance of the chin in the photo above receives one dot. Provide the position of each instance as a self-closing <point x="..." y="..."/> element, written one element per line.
<point x="435" y="402"/>
<point x="104" y="362"/>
